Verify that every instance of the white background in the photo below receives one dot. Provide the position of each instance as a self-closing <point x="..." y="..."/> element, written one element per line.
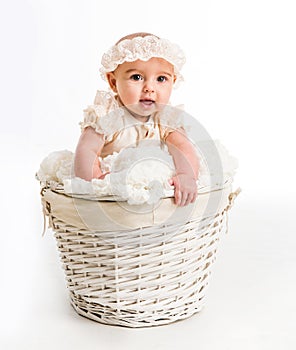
<point x="240" y="84"/>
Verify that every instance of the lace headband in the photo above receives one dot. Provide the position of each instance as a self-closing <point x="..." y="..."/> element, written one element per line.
<point x="143" y="48"/>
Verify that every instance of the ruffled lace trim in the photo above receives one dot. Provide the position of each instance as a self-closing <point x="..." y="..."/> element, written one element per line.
<point x="143" y="48"/>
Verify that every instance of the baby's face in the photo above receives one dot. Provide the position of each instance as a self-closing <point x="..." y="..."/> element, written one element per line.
<point x="143" y="87"/>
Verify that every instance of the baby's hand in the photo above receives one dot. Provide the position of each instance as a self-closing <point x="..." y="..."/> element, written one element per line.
<point x="185" y="189"/>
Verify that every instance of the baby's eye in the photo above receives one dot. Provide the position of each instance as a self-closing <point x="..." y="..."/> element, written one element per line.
<point x="161" y="79"/>
<point x="136" y="77"/>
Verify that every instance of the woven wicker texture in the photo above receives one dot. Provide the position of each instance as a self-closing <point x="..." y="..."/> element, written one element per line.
<point x="142" y="277"/>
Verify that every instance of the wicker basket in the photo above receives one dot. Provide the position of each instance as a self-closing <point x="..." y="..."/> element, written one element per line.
<point x="121" y="274"/>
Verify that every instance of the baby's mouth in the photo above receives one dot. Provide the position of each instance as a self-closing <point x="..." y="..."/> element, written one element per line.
<point x="147" y="102"/>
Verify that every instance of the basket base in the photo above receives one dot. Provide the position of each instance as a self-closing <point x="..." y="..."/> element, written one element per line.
<point x="127" y="318"/>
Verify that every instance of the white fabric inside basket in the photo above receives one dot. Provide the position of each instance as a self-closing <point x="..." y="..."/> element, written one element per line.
<point x="93" y="215"/>
<point x="138" y="175"/>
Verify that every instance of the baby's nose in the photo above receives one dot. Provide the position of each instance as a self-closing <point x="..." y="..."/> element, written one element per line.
<point x="148" y="87"/>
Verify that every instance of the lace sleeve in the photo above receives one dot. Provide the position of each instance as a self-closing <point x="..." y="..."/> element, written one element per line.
<point x="104" y="116"/>
<point x="91" y="117"/>
<point x="172" y="119"/>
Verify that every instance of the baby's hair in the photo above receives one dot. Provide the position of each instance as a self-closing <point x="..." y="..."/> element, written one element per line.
<point x="134" y="35"/>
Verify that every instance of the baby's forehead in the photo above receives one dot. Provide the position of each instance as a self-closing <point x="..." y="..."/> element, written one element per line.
<point x="153" y="64"/>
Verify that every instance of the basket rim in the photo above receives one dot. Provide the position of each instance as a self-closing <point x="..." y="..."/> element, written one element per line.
<point x="59" y="189"/>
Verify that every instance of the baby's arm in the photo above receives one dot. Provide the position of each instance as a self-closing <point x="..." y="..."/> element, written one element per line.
<point x="186" y="165"/>
<point x="86" y="163"/>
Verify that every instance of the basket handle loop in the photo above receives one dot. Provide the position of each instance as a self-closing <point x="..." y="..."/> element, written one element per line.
<point x="46" y="210"/>
<point x="232" y="196"/>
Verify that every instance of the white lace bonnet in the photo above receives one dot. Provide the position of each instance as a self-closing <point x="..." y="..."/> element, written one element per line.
<point x="143" y="48"/>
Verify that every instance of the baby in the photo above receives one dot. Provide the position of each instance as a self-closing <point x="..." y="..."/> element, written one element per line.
<point x="141" y="70"/>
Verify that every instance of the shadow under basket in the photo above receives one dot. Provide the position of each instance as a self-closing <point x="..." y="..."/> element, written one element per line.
<point x="137" y="265"/>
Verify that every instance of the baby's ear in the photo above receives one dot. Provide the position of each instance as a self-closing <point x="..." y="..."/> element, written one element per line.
<point x="175" y="78"/>
<point x="112" y="81"/>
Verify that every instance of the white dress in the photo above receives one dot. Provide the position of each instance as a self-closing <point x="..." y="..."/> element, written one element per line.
<point x="121" y="130"/>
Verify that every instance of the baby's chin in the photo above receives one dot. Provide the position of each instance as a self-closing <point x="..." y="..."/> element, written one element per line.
<point x="142" y="113"/>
